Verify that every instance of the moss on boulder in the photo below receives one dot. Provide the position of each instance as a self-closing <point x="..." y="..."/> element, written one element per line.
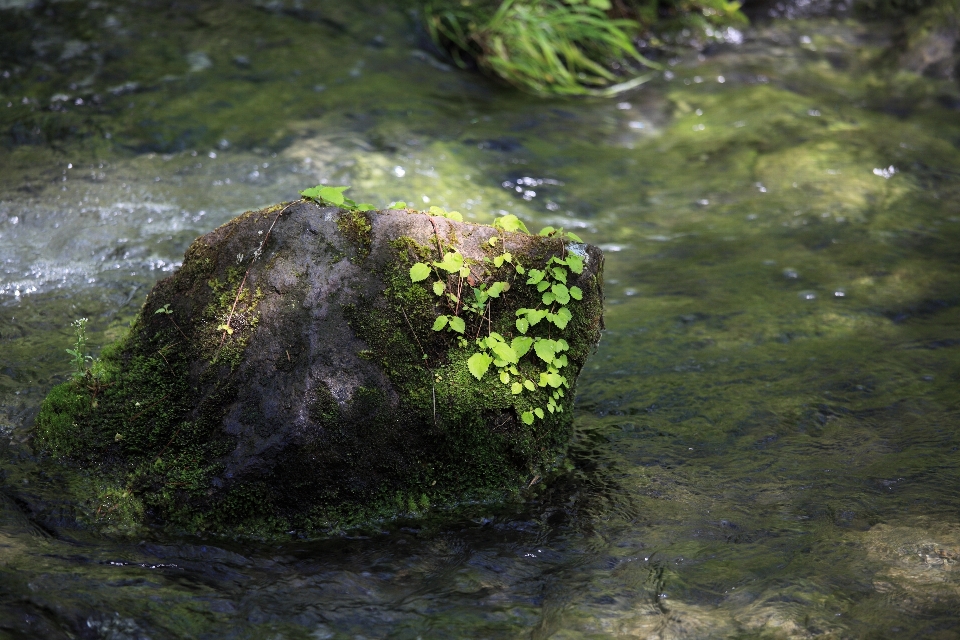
<point x="288" y="376"/>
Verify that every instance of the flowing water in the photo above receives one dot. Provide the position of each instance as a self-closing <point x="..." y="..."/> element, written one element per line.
<point x="766" y="441"/>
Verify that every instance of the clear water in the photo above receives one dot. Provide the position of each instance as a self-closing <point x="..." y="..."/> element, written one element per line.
<point x="766" y="439"/>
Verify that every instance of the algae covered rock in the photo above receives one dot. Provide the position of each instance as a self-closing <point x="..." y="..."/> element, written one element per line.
<point x="310" y="367"/>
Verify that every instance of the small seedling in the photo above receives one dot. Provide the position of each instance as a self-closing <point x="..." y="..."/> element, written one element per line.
<point x="78" y="353"/>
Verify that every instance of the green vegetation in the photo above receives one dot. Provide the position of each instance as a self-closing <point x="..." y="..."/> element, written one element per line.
<point x="576" y="47"/>
<point x="550" y="283"/>
<point x="78" y="354"/>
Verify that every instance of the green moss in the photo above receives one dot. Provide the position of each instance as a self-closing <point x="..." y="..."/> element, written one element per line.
<point x="62" y="412"/>
<point x="355" y="226"/>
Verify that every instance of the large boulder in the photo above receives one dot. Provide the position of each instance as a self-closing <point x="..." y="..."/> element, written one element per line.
<point x="311" y="367"/>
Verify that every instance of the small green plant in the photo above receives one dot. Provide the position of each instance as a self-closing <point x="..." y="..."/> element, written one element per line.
<point x="79" y="357"/>
<point x="333" y="196"/>
<point x="443" y="213"/>
<point x="493" y="349"/>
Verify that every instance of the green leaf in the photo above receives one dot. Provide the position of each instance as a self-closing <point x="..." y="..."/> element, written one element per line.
<point x="521" y="345"/>
<point x="519" y="268"/>
<point x="397" y="205"/>
<point x="543" y="286"/>
<point x="478" y="364"/>
<point x="224" y="327"/>
<point x="366" y="206"/>
<point x="527" y="417"/>
<point x="419" y="271"/>
<point x="493" y="241"/>
<point x="554" y="379"/>
<point x="507" y="256"/>
<point x="528" y="385"/>
<point x="546" y="349"/>
<point x="313" y="193"/>
<point x="516" y="388"/>
<point x="575" y="263"/>
<point x="504" y="352"/>
<point x="536" y="275"/>
<point x="333" y="195"/>
<point x="575" y="238"/>
<point x="546" y="231"/>
<point x="451" y="215"/>
<point x="498" y="261"/>
<point x="522" y="325"/>
<point x="451" y="262"/>
<point x="535" y="316"/>
<point x="464" y="272"/>
<point x="495" y="337"/>
<point x="539" y="412"/>
<point x="562" y="317"/>
<point x="560" y="274"/>
<point x="496" y="289"/>
<point x="560" y="293"/>
<point x="457" y="324"/>
<point x="548" y="298"/>
<point x="560" y="361"/>
<point x="562" y="345"/>
<point x="440" y="322"/>
<point x="439" y="287"/>
<point x="510" y="222"/>
<point x="576" y="293"/>
<point x="504" y="377"/>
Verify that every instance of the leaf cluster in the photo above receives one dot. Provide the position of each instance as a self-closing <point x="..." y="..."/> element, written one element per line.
<point x="493" y="349"/>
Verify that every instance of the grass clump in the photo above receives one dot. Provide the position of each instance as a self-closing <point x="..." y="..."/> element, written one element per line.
<point x="574" y="47"/>
<point x="543" y="46"/>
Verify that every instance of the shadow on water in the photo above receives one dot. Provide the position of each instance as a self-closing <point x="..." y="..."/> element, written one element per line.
<point x="766" y="439"/>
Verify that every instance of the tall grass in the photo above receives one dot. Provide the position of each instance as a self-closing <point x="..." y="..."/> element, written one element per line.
<point x="541" y="46"/>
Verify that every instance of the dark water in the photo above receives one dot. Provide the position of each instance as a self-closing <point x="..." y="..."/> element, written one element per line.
<point x="766" y="440"/>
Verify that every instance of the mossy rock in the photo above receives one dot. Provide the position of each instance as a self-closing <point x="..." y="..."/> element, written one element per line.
<point x="288" y="377"/>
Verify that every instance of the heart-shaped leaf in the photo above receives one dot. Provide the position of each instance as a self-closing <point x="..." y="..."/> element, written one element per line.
<point x="545" y="349"/>
<point x="521" y="345"/>
<point x="419" y="271"/>
<point x="478" y="364"/>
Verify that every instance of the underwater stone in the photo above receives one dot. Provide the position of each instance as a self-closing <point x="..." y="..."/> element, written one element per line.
<point x="288" y="376"/>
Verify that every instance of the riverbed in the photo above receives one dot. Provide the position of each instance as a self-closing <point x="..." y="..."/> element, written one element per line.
<point x="766" y="440"/>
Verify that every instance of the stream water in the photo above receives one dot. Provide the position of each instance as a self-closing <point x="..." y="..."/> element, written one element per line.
<point x="766" y="441"/>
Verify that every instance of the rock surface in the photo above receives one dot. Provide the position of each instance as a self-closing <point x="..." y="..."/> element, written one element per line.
<point x="288" y="376"/>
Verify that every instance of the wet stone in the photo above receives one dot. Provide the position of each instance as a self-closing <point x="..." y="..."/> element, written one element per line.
<point x="289" y="377"/>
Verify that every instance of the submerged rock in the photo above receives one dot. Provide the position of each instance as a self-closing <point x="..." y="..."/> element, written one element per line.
<point x="311" y="367"/>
